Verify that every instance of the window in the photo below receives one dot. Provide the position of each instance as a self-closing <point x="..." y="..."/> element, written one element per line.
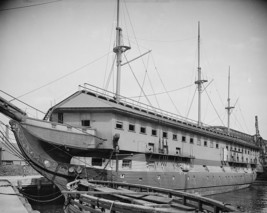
<point x="217" y="146"/>
<point x="192" y="140"/>
<point x="60" y="117"/>
<point x="211" y="144"/>
<point x="8" y="162"/>
<point x="119" y="125"/>
<point x="126" y="163"/>
<point x="178" y="151"/>
<point x="85" y="122"/>
<point x="96" y="161"/>
<point x="174" y="137"/>
<point x="226" y="147"/>
<point x="142" y="130"/>
<point x="164" y="134"/>
<point x="154" y="132"/>
<point x="183" y="139"/>
<point x="132" y="127"/>
<point x="205" y="143"/>
<point x="150" y="147"/>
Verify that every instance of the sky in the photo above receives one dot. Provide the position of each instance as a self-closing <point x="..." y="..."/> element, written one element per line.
<point x="49" y="47"/>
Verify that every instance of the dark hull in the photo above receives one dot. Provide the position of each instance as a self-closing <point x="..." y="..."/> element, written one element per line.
<point x="41" y="159"/>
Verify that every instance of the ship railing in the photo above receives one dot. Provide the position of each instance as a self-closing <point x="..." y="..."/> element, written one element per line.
<point x="137" y="105"/>
<point x="150" y="110"/>
<point x="202" y="204"/>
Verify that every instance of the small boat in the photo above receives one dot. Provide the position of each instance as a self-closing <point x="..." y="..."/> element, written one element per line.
<point x="102" y="196"/>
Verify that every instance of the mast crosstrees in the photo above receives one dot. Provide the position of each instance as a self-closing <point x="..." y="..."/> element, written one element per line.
<point x="119" y="49"/>
<point x="229" y="107"/>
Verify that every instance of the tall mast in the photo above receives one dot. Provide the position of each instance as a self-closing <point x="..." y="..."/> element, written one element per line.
<point x="229" y="107"/>
<point x="119" y="49"/>
<point x="200" y="81"/>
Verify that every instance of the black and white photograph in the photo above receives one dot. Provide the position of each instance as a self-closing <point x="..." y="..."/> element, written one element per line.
<point x="127" y="106"/>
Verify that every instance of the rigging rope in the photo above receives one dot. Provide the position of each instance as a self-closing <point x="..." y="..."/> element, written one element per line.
<point x="161" y="93"/>
<point x="146" y="73"/>
<point x="27" y="6"/>
<point x="63" y="76"/>
<point x="214" y="108"/>
<point x="10" y="146"/>
<point x="110" y="44"/>
<point x="138" y="83"/>
<point x="165" y="87"/>
<point x="21" y="101"/>
<point x="39" y="196"/>
<point x="110" y="74"/>
<point x="191" y="103"/>
<point x="166" y="41"/>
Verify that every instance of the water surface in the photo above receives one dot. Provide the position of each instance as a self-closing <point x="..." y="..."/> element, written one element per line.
<point x="252" y="199"/>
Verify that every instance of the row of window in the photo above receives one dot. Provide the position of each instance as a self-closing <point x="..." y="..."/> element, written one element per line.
<point x="154" y="132"/>
<point x="126" y="163"/>
<point x="165" y="135"/>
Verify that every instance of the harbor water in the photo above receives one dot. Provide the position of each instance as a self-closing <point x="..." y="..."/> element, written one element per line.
<point x="251" y="200"/>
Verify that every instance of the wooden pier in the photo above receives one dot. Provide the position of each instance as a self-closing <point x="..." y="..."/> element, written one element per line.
<point x="11" y="201"/>
<point x="27" y="181"/>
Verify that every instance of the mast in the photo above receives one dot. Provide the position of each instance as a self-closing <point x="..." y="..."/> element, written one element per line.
<point x="229" y="107"/>
<point x="119" y="49"/>
<point x="200" y="81"/>
<point x="257" y="126"/>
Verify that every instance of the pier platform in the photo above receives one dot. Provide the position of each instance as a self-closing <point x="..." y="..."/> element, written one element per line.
<point x="25" y="181"/>
<point x="11" y="201"/>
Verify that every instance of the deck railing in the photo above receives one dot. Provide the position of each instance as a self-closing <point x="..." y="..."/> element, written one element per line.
<point x="201" y="204"/>
<point x="140" y="106"/>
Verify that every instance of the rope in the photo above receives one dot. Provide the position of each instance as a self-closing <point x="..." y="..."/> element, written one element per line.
<point x="44" y="201"/>
<point x="11" y="194"/>
<point x="26" y="194"/>
<point x="165" y="87"/>
<point x="214" y="107"/>
<point x="21" y="102"/>
<point x="191" y="103"/>
<point x="32" y="5"/>
<point x="11" y="147"/>
<point x="111" y="205"/>
<point x="161" y="93"/>
<point x="138" y="83"/>
<point x="110" y="44"/>
<point x="64" y="76"/>
<point x="6" y="185"/>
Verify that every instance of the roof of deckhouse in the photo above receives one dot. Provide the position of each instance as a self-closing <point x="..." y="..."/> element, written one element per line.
<point x="84" y="100"/>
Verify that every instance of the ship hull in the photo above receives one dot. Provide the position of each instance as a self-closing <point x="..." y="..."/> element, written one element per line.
<point x="53" y="162"/>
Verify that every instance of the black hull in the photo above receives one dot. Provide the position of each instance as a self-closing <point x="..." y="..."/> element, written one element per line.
<point x="38" y="156"/>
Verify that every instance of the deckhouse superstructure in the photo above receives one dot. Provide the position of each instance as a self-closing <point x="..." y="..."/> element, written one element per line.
<point x="143" y="144"/>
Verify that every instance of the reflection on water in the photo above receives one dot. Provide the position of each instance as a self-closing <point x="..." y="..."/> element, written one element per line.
<point x="252" y="199"/>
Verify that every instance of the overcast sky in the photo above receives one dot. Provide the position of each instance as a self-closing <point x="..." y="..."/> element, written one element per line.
<point x="48" y="48"/>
